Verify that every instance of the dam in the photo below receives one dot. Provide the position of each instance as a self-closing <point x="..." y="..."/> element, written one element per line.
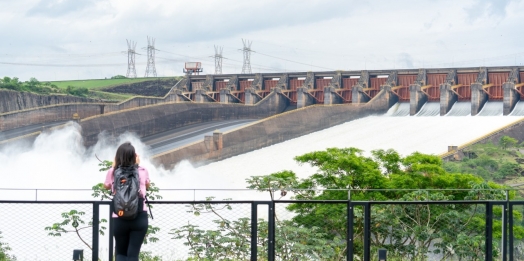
<point x="270" y="135"/>
<point x="283" y="106"/>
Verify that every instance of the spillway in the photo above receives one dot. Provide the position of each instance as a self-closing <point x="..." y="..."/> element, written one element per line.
<point x="492" y="108"/>
<point x="407" y="134"/>
<point x="518" y="110"/>
<point x="460" y="109"/>
<point x="429" y="109"/>
<point x="399" y="109"/>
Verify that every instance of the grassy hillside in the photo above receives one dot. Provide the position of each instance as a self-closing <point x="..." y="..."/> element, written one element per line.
<point x="95" y="84"/>
<point x="502" y="162"/>
<point x="117" y="89"/>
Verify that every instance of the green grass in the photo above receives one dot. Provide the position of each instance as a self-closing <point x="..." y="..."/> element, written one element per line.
<point x="96" y="84"/>
<point x="109" y="96"/>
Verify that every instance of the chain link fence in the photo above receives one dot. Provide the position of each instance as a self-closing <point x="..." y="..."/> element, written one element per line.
<point x="46" y="231"/>
<point x="422" y="226"/>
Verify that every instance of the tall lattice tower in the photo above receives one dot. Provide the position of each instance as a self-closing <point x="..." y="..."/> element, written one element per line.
<point x="246" y="68"/>
<point x="150" y="69"/>
<point x="131" y="70"/>
<point x="218" y="59"/>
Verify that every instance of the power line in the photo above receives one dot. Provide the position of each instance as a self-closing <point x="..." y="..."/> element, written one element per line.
<point x="64" y="65"/>
<point x="287" y="60"/>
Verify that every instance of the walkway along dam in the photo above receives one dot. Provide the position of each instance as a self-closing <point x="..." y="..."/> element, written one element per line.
<point x="287" y="105"/>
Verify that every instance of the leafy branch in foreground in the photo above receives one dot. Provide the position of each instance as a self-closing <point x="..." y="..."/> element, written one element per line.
<point x="4" y="251"/>
<point x="73" y="223"/>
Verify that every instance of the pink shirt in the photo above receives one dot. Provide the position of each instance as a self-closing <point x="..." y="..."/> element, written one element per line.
<point x="143" y="176"/>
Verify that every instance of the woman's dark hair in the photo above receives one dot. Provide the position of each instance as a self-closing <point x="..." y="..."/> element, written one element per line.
<point x="125" y="155"/>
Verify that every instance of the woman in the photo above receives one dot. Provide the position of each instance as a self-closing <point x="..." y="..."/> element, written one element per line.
<point x="129" y="234"/>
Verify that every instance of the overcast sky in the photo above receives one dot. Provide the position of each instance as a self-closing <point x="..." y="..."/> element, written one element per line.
<point x="86" y="39"/>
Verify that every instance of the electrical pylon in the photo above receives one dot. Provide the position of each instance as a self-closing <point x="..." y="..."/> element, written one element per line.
<point x="246" y="67"/>
<point x="131" y="70"/>
<point x="150" y="69"/>
<point x="218" y="59"/>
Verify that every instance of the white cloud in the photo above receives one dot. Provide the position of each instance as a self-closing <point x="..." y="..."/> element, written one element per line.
<point x="305" y="35"/>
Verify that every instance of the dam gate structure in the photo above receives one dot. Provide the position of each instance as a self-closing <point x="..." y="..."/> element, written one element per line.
<point x="500" y="87"/>
<point x="445" y="86"/>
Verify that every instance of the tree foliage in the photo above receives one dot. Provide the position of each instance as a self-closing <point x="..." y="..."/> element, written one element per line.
<point x="4" y="251"/>
<point x="507" y="142"/>
<point x="35" y="86"/>
<point x="318" y="231"/>
<point x="490" y="161"/>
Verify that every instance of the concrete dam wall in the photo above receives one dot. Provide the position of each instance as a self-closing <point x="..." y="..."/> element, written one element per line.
<point x="65" y="111"/>
<point x="11" y="101"/>
<point x="275" y="129"/>
<point x="153" y="119"/>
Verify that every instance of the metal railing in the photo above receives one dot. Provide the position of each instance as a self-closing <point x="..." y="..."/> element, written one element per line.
<point x="426" y="225"/>
<point x="287" y="230"/>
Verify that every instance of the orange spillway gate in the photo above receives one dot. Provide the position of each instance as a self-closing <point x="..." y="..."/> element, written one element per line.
<point x="520" y="86"/>
<point x="494" y="86"/>
<point x="463" y="87"/>
<point x="347" y="88"/>
<point x="402" y="88"/>
<point x="432" y="89"/>
<point x="292" y="92"/>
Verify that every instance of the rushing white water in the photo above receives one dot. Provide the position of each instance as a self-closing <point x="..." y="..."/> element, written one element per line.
<point x="518" y="110"/>
<point x="399" y="109"/>
<point x="492" y="108"/>
<point x="430" y="109"/>
<point x="460" y="109"/>
<point x="429" y="135"/>
<point x="59" y="160"/>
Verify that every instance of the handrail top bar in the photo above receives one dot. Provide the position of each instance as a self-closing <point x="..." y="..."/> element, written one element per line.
<point x="100" y="202"/>
<point x="287" y="189"/>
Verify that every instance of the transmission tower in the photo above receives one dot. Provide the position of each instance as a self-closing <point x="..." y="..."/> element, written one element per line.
<point x="131" y="71"/>
<point x="246" y="68"/>
<point x="150" y="69"/>
<point x="218" y="59"/>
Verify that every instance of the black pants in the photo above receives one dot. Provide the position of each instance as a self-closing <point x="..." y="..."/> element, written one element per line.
<point x="129" y="235"/>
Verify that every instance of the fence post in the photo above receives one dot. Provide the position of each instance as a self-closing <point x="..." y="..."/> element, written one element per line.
<point x="349" y="239"/>
<point x="254" y="231"/>
<point x="96" y="217"/>
<point x="271" y="232"/>
<point x="367" y="231"/>
<point x="111" y="224"/>
<point x="505" y="220"/>
<point x="510" y="217"/>
<point x="489" y="232"/>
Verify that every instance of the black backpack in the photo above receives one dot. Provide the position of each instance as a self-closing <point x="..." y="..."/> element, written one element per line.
<point x="127" y="202"/>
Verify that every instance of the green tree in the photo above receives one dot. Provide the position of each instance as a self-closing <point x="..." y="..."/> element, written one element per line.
<point x="507" y="142"/>
<point x="11" y="84"/>
<point x="318" y="231"/>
